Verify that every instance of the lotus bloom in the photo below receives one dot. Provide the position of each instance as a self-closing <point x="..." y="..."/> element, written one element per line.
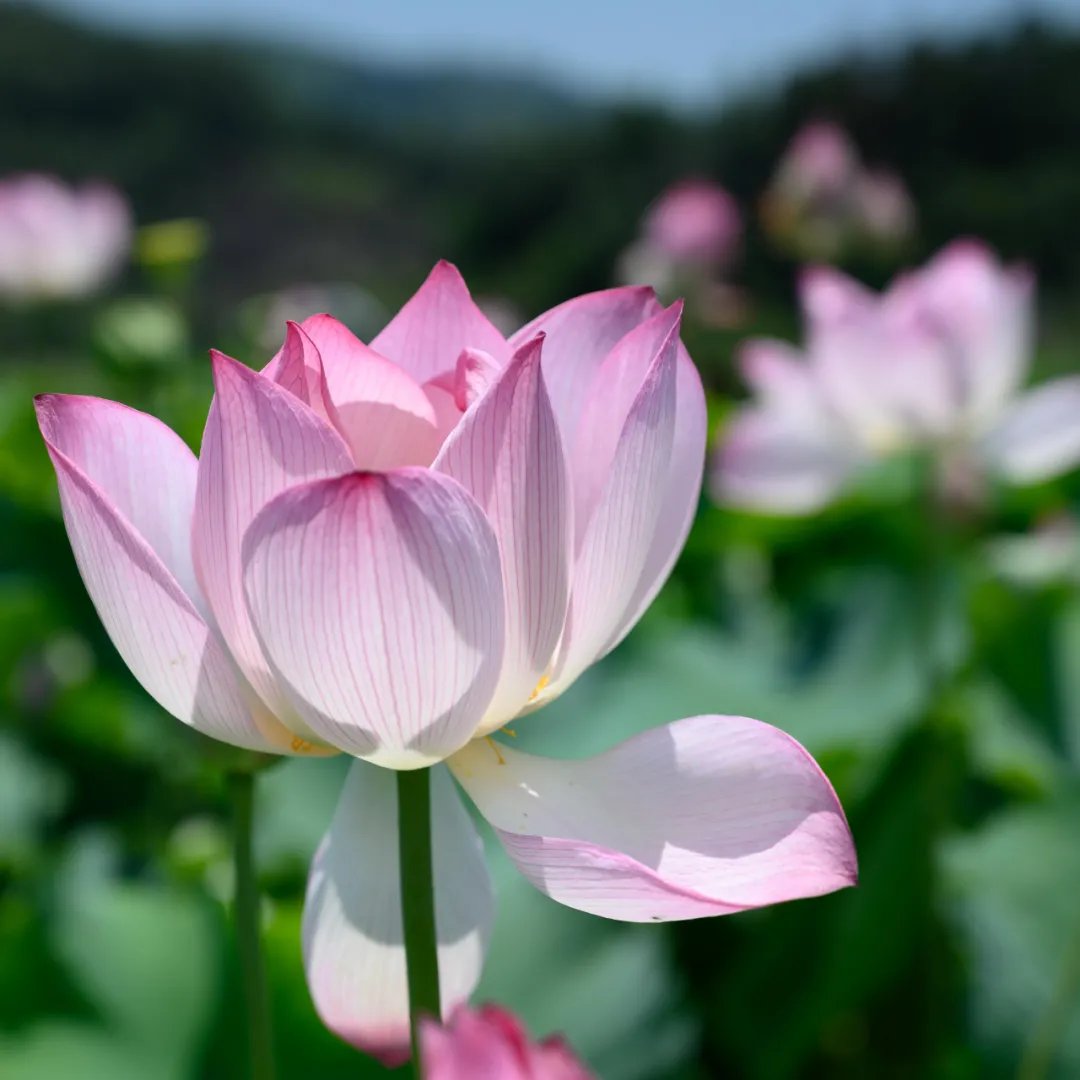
<point x="491" y="1044"/>
<point x="819" y="164"/>
<point x="393" y="550"/>
<point x="58" y="242"/>
<point x="691" y="231"/>
<point x="934" y="363"/>
<point x="822" y="199"/>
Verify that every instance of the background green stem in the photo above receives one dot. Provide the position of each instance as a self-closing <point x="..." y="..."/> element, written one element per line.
<point x="256" y="998"/>
<point x="418" y="900"/>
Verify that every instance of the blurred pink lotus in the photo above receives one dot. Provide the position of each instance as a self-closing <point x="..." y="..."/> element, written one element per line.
<point x="393" y="550"/>
<point x="692" y="231"/>
<point x="820" y="163"/>
<point x="935" y="362"/>
<point x="694" y="221"/>
<point x="58" y="242"/>
<point x="490" y="1043"/>
<point x="822" y="199"/>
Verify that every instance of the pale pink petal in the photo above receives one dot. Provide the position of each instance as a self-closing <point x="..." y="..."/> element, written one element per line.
<point x="887" y="375"/>
<point x="614" y="548"/>
<point x="383" y="411"/>
<point x="781" y="377"/>
<point x="427" y="335"/>
<point x="984" y="312"/>
<point x="127" y="484"/>
<point x="378" y="601"/>
<point x="706" y="816"/>
<point x="579" y="334"/>
<point x="298" y="368"/>
<point x="682" y="492"/>
<point x="354" y="950"/>
<point x="771" y="464"/>
<point x="609" y="399"/>
<point x="827" y="295"/>
<point x="259" y="440"/>
<point x="1039" y="435"/>
<point x="445" y="409"/>
<point x="507" y="454"/>
<point x="490" y="1043"/>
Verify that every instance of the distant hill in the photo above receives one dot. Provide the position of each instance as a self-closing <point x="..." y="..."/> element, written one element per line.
<point x="443" y="101"/>
<point x="308" y="168"/>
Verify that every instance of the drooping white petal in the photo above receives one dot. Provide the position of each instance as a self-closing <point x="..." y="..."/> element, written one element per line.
<point x="354" y="950"/>
<point x="705" y="816"/>
<point x="1039" y="435"/>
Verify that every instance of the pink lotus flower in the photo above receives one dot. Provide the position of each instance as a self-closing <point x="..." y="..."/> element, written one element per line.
<point x="822" y="199"/>
<point x="935" y="362"/>
<point x="59" y="242"/>
<point x="490" y="1043"/>
<point x="394" y="549"/>
<point x="694" y="221"/>
<point x="692" y="229"/>
<point x="820" y="163"/>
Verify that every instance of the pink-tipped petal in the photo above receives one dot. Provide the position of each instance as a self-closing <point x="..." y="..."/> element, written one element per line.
<point x="615" y="545"/>
<point x="383" y="411"/>
<point x="682" y="492"/>
<point x="706" y="816"/>
<point x="427" y="335"/>
<point x="259" y="440"/>
<point x="127" y="485"/>
<point x="507" y="454"/>
<point x="298" y="368"/>
<point x="354" y="950"/>
<point x="579" y="334"/>
<point x="377" y="598"/>
<point x="475" y="372"/>
<point x="1039" y="435"/>
<point x="608" y="402"/>
<point x="771" y="464"/>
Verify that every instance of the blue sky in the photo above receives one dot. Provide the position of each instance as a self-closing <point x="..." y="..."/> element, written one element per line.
<point x="681" y="51"/>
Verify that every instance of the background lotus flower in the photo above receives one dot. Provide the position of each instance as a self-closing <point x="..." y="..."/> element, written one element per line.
<point x="490" y="1043"/>
<point x="58" y="242"/>
<point x="934" y="362"/>
<point x="690" y="237"/>
<point x="822" y="200"/>
<point x="394" y="549"/>
<point x="694" y="221"/>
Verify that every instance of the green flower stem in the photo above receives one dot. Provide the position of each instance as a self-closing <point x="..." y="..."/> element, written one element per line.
<point x="418" y="900"/>
<point x="256" y="998"/>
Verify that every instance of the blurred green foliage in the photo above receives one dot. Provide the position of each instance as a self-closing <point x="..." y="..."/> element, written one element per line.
<point x="950" y="724"/>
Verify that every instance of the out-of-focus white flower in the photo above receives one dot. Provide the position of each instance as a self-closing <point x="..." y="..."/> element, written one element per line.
<point x="59" y="242"/>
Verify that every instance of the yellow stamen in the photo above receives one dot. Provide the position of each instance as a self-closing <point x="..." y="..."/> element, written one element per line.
<point x="509" y="731"/>
<point x="495" y="746"/>
<point x="539" y="688"/>
<point x="301" y="746"/>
